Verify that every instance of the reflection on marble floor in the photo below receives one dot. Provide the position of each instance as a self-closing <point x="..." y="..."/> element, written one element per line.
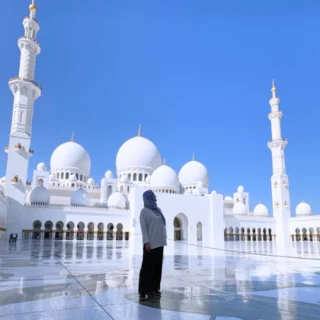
<point x="98" y="280"/>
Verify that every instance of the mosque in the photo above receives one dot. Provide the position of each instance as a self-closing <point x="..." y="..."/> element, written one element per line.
<point x="64" y="202"/>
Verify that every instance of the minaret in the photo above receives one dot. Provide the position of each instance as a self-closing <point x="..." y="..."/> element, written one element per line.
<point x="25" y="92"/>
<point x="279" y="179"/>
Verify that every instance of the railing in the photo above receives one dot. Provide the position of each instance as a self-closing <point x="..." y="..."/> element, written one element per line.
<point x="27" y="80"/>
<point x="27" y="38"/>
<point x="31" y="151"/>
<point x="32" y="18"/>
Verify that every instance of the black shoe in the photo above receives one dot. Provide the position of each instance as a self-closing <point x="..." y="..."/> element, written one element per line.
<point x="156" y="293"/>
<point x="143" y="297"/>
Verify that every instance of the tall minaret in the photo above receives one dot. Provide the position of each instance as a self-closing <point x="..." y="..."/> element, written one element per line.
<point x="279" y="179"/>
<point x="25" y="92"/>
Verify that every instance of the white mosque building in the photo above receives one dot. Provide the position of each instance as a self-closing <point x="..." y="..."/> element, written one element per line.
<point x="64" y="201"/>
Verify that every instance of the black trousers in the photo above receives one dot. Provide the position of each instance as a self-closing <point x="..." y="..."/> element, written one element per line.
<point x="151" y="270"/>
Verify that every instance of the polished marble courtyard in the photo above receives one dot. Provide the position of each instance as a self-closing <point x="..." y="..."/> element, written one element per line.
<point x="98" y="280"/>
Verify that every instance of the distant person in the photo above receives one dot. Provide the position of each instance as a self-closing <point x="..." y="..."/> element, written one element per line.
<point x="13" y="238"/>
<point x="154" y="236"/>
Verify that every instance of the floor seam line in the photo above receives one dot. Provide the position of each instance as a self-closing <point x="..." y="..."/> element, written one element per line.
<point x="87" y="291"/>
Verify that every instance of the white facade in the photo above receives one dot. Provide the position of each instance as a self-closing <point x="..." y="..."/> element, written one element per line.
<point x="64" y="202"/>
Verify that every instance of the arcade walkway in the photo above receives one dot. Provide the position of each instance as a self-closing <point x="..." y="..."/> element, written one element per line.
<point x="98" y="280"/>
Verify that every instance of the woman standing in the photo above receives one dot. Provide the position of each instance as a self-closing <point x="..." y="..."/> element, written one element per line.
<point x="154" y="236"/>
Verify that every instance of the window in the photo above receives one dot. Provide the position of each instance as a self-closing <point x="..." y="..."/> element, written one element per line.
<point x="58" y="175"/>
<point x="140" y="176"/>
<point x="62" y="174"/>
<point x="129" y="176"/>
<point x="67" y="175"/>
<point x="134" y="177"/>
<point x="145" y="177"/>
<point x="81" y="177"/>
<point x="77" y="176"/>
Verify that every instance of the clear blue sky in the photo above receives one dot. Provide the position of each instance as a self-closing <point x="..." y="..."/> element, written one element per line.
<point x="195" y="74"/>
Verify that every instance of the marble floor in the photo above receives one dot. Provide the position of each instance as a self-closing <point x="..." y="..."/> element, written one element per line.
<point x="98" y="280"/>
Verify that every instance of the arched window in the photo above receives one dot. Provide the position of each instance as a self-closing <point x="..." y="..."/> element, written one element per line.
<point x="140" y="176"/>
<point x="67" y="175"/>
<point x="21" y="116"/>
<point x="109" y="191"/>
<point x="58" y="175"/>
<point x="129" y="176"/>
<point x="134" y="177"/>
<point x="80" y="177"/>
<point x="77" y="176"/>
<point x="145" y="177"/>
<point x="62" y="174"/>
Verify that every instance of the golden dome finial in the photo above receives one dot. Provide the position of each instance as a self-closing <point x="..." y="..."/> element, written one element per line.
<point x="164" y="162"/>
<point x="193" y="156"/>
<point x="72" y="136"/>
<point x="32" y="7"/>
<point x="139" y="130"/>
<point x="273" y="89"/>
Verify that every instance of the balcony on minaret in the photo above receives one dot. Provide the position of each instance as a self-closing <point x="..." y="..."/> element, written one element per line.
<point x="6" y="149"/>
<point x="26" y="80"/>
<point x="27" y="38"/>
<point x="31" y="152"/>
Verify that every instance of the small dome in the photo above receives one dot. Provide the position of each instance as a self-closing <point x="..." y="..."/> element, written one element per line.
<point x="39" y="195"/>
<point x="79" y="197"/>
<point x="260" y="210"/>
<point x="117" y="200"/>
<point x="164" y="177"/>
<point x="124" y="178"/>
<point x="139" y="153"/>
<point x="91" y="181"/>
<point x="228" y="198"/>
<point x="108" y="174"/>
<point x="192" y="173"/>
<point x="214" y="192"/>
<point x="3" y="180"/>
<point x="239" y="208"/>
<point x="70" y="155"/>
<point x="303" y="209"/>
<point x="73" y="178"/>
<point x="240" y="189"/>
<point x="42" y="167"/>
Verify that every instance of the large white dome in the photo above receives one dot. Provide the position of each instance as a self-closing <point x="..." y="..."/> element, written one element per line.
<point x="70" y="155"/>
<point x="239" y="208"/>
<point x="117" y="200"/>
<point x="164" y="177"/>
<point x="194" y="172"/>
<point x="39" y="195"/>
<point x="140" y="153"/>
<point x="79" y="197"/>
<point x="260" y="210"/>
<point x="303" y="209"/>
